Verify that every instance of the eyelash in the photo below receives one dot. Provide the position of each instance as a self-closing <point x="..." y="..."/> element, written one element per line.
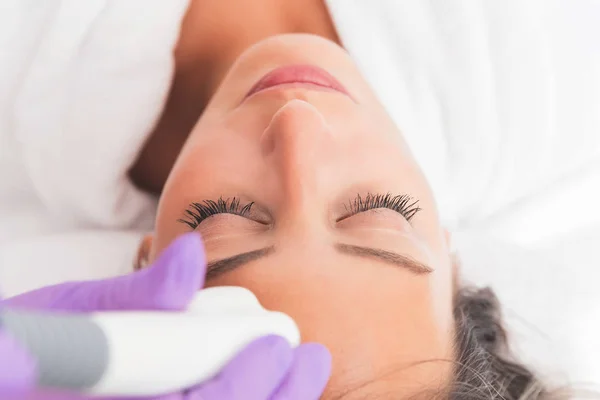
<point x="402" y="204"/>
<point x="198" y="212"/>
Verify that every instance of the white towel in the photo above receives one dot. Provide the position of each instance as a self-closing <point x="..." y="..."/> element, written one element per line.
<point x="81" y="85"/>
<point x="499" y="101"/>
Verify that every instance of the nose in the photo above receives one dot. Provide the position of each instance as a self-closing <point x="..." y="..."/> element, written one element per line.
<point x="299" y="141"/>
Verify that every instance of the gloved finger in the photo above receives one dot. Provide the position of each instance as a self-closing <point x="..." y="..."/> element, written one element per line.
<point x="18" y="372"/>
<point x="308" y="375"/>
<point x="254" y="374"/>
<point x="169" y="284"/>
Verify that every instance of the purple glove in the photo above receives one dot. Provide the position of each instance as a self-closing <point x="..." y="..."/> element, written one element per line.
<point x="170" y="284"/>
<point x="17" y="368"/>
<point x="267" y="369"/>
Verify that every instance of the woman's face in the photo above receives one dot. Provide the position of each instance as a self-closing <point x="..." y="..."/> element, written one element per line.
<point x="371" y="279"/>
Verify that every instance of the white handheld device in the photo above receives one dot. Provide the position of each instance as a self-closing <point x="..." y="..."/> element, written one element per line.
<point x="145" y="353"/>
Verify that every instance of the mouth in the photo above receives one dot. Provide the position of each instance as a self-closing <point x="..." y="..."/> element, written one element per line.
<point x="305" y="76"/>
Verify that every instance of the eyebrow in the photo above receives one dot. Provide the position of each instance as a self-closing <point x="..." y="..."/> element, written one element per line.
<point x="218" y="267"/>
<point x="398" y="260"/>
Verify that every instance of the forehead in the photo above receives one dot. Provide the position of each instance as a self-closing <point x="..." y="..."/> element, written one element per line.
<point x="427" y="380"/>
<point x="375" y="319"/>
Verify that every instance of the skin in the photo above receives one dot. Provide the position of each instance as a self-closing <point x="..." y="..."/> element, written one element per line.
<point x="301" y="155"/>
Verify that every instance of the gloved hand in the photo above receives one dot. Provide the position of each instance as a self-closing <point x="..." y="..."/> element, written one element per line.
<point x="267" y="369"/>
<point x="169" y="284"/>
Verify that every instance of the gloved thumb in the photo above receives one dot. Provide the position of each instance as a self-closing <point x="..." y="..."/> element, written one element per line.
<point x="170" y="283"/>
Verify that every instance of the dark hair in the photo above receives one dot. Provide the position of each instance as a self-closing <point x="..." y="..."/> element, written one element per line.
<point x="485" y="368"/>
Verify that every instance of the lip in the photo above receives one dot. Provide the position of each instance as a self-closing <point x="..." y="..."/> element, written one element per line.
<point x="304" y="75"/>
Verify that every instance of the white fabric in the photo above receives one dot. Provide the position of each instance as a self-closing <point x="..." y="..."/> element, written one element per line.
<point x="500" y="103"/>
<point x="81" y="85"/>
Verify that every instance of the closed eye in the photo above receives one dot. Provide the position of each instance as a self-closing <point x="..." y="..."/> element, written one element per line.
<point x="198" y="212"/>
<point x="403" y="204"/>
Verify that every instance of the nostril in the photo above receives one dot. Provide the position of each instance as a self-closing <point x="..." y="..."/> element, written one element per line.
<point x="267" y="144"/>
<point x="298" y="132"/>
